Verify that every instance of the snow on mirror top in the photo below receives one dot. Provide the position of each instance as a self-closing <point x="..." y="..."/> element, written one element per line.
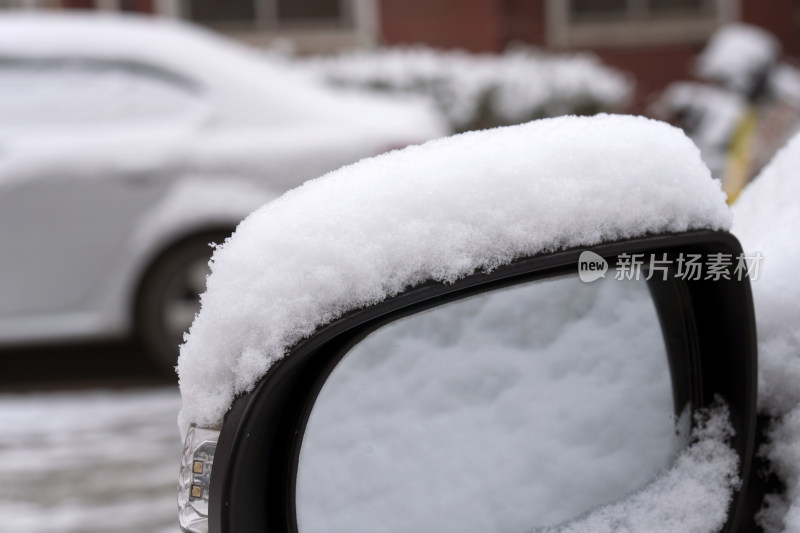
<point x="438" y="211"/>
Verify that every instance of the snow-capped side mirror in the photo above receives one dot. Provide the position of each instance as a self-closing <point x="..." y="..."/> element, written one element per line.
<point x="709" y="339"/>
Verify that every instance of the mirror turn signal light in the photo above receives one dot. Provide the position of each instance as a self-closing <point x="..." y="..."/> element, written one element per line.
<point x="195" y="479"/>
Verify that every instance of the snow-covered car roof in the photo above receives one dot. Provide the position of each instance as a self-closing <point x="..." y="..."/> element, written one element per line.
<point x="439" y="211"/>
<point x="247" y="86"/>
<point x="170" y="44"/>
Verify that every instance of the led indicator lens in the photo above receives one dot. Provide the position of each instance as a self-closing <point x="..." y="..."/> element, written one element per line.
<point x="194" y="480"/>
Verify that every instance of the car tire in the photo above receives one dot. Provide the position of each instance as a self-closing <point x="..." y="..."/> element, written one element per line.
<point x="169" y="297"/>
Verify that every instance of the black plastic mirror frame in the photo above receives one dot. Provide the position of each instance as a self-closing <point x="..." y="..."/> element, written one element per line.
<point x="709" y="334"/>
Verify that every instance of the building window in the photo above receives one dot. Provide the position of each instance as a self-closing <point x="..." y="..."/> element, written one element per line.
<point x="592" y="23"/>
<point x="597" y="9"/>
<point x="303" y="10"/>
<point x="215" y="12"/>
<point x="136" y="6"/>
<point x="270" y="13"/>
<point x="638" y="9"/>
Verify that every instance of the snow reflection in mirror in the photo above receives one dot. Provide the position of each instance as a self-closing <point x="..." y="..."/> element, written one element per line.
<point x="512" y="410"/>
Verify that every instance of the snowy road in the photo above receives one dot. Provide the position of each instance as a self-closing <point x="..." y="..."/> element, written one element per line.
<point x="90" y="461"/>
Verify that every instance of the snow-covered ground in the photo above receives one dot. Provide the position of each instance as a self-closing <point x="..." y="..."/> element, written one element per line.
<point x="96" y="461"/>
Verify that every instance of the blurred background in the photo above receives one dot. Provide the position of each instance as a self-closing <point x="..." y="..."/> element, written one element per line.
<point x="135" y="132"/>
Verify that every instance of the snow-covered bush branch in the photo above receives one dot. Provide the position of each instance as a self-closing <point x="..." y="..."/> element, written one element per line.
<point x="482" y="90"/>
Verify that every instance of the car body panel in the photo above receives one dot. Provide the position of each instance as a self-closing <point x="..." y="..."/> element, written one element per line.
<point x="91" y="192"/>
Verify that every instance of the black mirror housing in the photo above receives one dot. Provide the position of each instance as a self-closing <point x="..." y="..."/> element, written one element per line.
<point x="708" y="327"/>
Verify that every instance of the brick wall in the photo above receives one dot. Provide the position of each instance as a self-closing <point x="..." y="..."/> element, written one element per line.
<point x="473" y="25"/>
<point x="781" y="17"/>
<point x="523" y="21"/>
<point x="653" y="68"/>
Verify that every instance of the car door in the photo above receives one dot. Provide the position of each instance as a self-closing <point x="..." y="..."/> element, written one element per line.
<point x="87" y="148"/>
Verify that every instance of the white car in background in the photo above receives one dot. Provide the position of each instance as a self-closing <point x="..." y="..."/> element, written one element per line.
<point x="128" y="144"/>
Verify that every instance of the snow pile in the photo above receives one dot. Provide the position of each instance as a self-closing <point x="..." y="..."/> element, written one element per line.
<point x="768" y="220"/>
<point x="485" y="89"/>
<point x="781" y="512"/>
<point x="437" y="211"/>
<point x="737" y="55"/>
<point x="522" y="408"/>
<point x="693" y="495"/>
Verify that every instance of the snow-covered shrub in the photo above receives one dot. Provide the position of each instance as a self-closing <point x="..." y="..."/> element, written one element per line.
<point x="482" y="90"/>
<point x="737" y="55"/>
<point x="708" y="114"/>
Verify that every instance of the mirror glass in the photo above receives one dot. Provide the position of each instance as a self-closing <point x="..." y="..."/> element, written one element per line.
<point x="506" y="412"/>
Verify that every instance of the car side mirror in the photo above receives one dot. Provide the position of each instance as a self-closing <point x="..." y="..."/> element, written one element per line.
<point x="638" y="365"/>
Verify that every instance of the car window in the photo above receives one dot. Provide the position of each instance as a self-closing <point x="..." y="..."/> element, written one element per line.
<point x="73" y="93"/>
